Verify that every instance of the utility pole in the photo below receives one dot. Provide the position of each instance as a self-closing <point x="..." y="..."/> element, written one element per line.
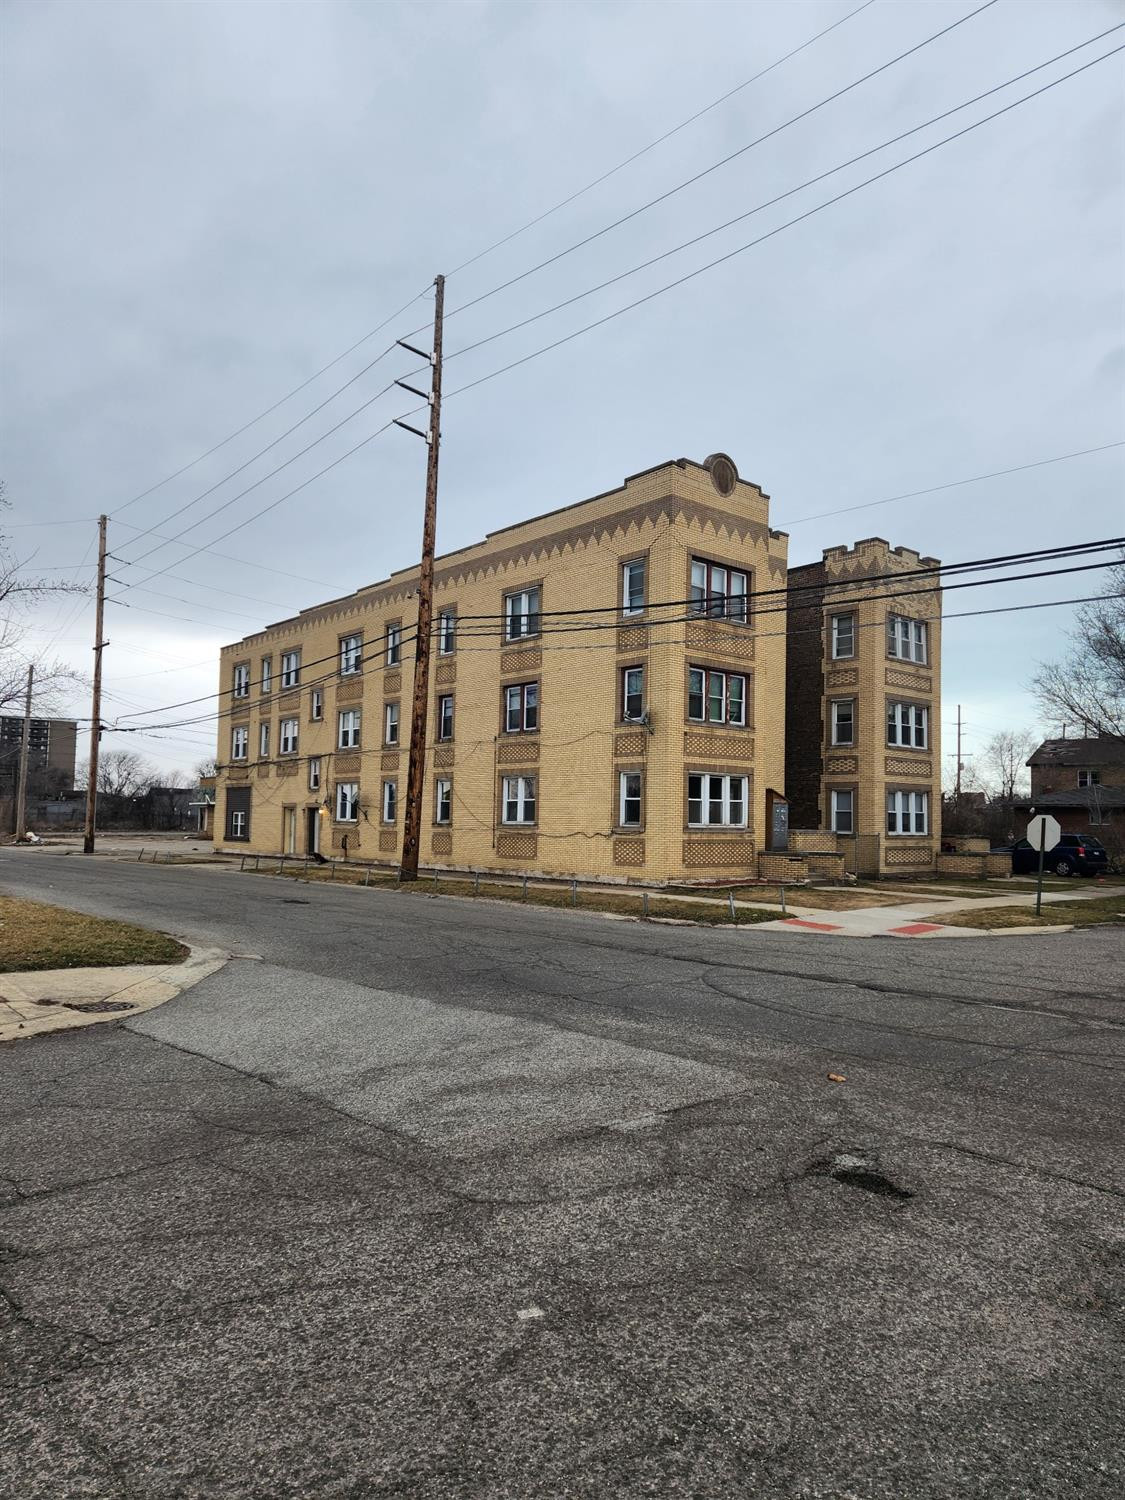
<point x="957" y="786"/>
<point x="25" y="756"/>
<point x="416" y="764"/>
<point x="96" y="700"/>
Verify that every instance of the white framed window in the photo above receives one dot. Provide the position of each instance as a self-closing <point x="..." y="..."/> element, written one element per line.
<point x="267" y="675"/>
<point x="447" y="632"/>
<point x="264" y="741"/>
<point x="518" y="799"/>
<point x="1089" y="778"/>
<point x="633" y="586"/>
<point x="843" y="635"/>
<point x="908" y="812"/>
<point x="445" y="716"/>
<point x="632" y="692"/>
<point x="521" y="708"/>
<point x="287" y="736"/>
<point x="240" y="742"/>
<point x="716" y="697"/>
<point x="843" y="721"/>
<point x="242" y="680"/>
<point x="843" y="810"/>
<point x="290" y="668"/>
<point x="347" y="801"/>
<point x="351" y="654"/>
<point x="390" y="801"/>
<point x="716" y="801"/>
<point x="521" y="614"/>
<point x="443" y="800"/>
<point x="908" y="724"/>
<point x="907" y="639"/>
<point x="629" y="798"/>
<point x="347" y="737"/>
<point x="390" y="724"/>
<point x="719" y="591"/>
<point x="316" y="705"/>
<point x="238" y="825"/>
<point x="314" y="773"/>
<point x="393" y="653"/>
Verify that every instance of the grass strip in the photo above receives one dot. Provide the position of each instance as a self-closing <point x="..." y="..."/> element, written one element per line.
<point x="37" y="936"/>
<point x="1094" y="913"/>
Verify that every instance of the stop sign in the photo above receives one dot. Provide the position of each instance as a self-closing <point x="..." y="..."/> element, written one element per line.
<point x="1043" y="832"/>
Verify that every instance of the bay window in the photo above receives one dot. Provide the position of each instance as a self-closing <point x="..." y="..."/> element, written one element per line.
<point x="719" y="591"/>
<point x="716" y="697"/>
<point x="908" y="812"/>
<point x="908" y="725"/>
<point x="906" y="639"/>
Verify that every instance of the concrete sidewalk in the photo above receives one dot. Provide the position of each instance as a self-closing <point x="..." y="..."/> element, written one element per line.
<point x="931" y="916"/>
<point x="60" y="999"/>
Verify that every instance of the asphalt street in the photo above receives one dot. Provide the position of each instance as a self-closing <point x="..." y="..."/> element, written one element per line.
<point x="430" y="1197"/>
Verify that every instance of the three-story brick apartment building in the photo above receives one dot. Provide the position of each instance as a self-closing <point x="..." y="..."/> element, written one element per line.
<point x="607" y="696"/>
<point x="863" y="704"/>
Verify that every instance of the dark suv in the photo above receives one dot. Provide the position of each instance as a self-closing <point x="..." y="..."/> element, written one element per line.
<point x="1074" y="854"/>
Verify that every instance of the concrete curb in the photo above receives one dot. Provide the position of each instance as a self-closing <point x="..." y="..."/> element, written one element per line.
<point x="43" y="1000"/>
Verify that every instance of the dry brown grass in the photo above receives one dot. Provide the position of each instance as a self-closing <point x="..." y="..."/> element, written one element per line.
<point x="1056" y="914"/>
<point x="35" y="936"/>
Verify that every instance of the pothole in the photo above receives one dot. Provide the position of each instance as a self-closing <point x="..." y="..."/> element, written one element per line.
<point x="854" y="1170"/>
<point x="98" y="1007"/>
<point x="293" y="901"/>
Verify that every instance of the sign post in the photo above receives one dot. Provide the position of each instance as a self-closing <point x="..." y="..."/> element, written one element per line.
<point x="1043" y="833"/>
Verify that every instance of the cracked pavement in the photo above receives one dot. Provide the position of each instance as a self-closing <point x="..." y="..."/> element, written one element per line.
<point x="449" y="1199"/>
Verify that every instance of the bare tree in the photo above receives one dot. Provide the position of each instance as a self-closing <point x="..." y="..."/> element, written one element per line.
<point x="1087" y="688"/>
<point x="1004" y="760"/>
<point x="206" y="767"/>
<point x="122" y="773"/>
<point x="20" y="591"/>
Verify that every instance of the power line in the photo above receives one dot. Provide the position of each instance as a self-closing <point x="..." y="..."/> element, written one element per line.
<point x="722" y="162"/>
<point x="780" y="228"/>
<point x="244" y="562"/>
<point x="262" y="414"/>
<point x="779" y="198"/>
<point x="659" y="141"/>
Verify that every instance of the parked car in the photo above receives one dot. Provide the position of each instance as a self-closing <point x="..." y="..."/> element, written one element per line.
<point x="1074" y="854"/>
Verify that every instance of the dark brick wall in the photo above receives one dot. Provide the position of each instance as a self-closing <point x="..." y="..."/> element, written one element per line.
<point x="804" y="698"/>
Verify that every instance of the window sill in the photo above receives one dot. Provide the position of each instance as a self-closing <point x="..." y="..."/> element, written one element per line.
<point x="915" y="749"/>
<point x="717" y="828"/>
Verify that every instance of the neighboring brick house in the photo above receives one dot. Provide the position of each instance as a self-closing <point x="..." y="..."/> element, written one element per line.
<point x="1081" y="782"/>
<point x="863" y="705"/>
<point x="607" y="697"/>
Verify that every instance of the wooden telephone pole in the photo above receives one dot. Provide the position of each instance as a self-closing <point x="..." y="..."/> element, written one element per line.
<point x="96" y="700"/>
<point x="416" y="764"/>
<point x="25" y="757"/>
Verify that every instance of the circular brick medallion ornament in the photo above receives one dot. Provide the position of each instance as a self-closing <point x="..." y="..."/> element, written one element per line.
<point x="724" y="475"/>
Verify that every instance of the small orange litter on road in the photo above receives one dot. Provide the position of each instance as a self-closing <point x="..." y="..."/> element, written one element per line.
<point x="837" y="1078"/>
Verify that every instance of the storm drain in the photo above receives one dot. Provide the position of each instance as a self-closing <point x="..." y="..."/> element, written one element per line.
<point x="90" y="1007"/>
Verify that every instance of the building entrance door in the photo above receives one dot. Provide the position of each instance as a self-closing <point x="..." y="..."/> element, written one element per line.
<point x="312" y="830"/>
<point x="290" y="834"/>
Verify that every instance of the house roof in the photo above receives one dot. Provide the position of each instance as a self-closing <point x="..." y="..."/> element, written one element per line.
<point x="1103" y="751"/>
<point x="1095" y="799"/>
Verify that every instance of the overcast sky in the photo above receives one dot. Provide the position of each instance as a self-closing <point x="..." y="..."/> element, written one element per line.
<point x="205" y="203"/>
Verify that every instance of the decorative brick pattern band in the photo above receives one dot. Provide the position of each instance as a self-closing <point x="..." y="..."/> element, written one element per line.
<point x="237" y="773"/>
<point x="520" y="750"/>
<point x="347" y="765"/>
<point x="908" y="857"/>
<point x="441" y="842"/>
<point x="392" y="683"/>
<point x="388" y="761"/>
<point x="516" y="845"/>
<point x="841" y="765"/>
<point x="349" y="689"/>
<point x="732" y="640"/>
<point x="264" y="769"/>
<point x="525" y="660"/>
<point x="289" y="703"/>
<point x="446" y="673"/>
<point x="443" y="758"/>
<point x="287" y="768"/>
<point x="352" y="836"/>
<point x="629" y="744"/>
<point x="632" y="638"/>
<point x="843" y="677"/>
<point x="700" y="745"/>
<point x="628" y="851"/>
<point x="903" y="765"/>
<point x="720" y="853"/>
<point x="916" y="682"/>
<point x="388" y="843"/>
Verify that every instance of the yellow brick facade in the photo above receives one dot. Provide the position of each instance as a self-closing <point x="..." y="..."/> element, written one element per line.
<point x="580" y="744"/>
